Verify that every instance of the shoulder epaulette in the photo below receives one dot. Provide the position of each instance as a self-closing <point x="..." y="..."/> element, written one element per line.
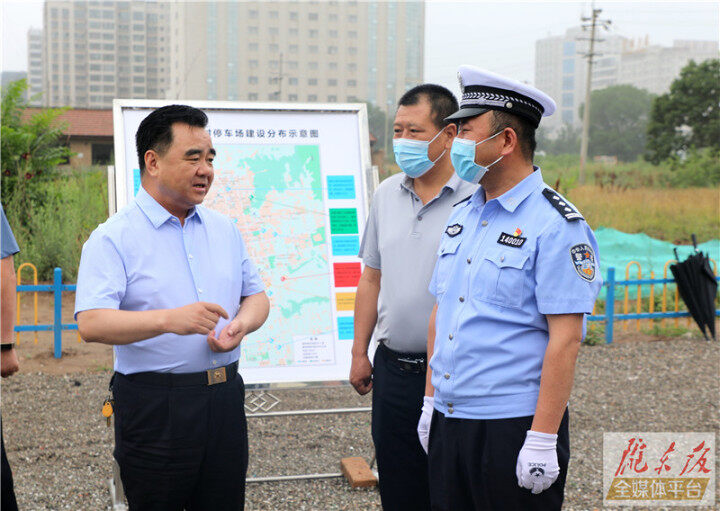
<point x="564" y="208"/>
<point x="461" y="201"/>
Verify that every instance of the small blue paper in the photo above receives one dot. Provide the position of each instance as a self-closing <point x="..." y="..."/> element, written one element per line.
<point x="341" y="187"/>
<point x="346" y="330"/>
<point x="345" y="245"/>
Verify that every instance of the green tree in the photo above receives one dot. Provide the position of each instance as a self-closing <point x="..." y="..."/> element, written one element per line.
<point x="686" y="117"/>
<point x="30" y="152"/>
<point x="618" y="121"/>
<point x="376" y="124"/>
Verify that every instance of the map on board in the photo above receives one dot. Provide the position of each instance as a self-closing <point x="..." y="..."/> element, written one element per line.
<point x="275" y="194"/>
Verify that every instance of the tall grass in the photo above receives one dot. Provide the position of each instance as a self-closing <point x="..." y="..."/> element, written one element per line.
<point x="666" y="214"/>
<point x="77" y="201"/>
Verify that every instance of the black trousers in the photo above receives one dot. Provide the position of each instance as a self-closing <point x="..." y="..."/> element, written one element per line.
<point x="7" y="489"/>
<point x="472" y="465"/>
<point x="402" y="463"/>
<point x="181" y="447"/>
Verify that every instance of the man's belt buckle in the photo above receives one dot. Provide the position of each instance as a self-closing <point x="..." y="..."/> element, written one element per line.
<point x="216" y="376"/>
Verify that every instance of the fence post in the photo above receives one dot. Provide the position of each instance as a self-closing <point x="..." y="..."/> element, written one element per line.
<point x="57" y="324"/>
<point x="610" y="305"/>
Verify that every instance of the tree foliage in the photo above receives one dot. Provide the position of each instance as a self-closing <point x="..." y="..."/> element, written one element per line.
<point x="567" y="141"/>
<point x="30" y="151"/>
<point x="687" y="117"/>
<point x="618" y="121"/>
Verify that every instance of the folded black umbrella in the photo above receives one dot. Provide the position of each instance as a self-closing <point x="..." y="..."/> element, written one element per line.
<point x="698" y="288"/>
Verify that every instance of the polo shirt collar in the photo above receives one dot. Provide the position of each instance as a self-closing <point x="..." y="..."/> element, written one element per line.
<point x="453" y="183"/>
<point x="155" y="212"/>
<point x="511" y="199"/>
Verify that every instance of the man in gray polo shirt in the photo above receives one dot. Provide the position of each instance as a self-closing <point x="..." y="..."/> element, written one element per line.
<point x="399" y="248"/>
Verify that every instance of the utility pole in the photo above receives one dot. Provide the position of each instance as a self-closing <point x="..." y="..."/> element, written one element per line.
<point x="594" y="22"/>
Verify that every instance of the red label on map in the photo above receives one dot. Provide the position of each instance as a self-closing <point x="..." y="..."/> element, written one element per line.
<point x="346" y="274"/>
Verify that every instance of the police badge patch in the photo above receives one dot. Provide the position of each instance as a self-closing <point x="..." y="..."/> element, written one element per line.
<point x="453" y="230"/>
<point x="583" y="259"/>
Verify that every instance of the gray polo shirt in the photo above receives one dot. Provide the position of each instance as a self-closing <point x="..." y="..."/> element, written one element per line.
<point x="401" y="240"/>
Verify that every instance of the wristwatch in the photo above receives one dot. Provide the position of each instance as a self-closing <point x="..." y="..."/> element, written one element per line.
<point x="6" y="346"/>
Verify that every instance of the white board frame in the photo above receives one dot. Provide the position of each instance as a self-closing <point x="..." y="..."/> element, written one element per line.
<point x="117" y="187"/>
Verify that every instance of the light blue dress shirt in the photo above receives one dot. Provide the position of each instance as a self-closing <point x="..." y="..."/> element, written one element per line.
<point x="502" y="266"/>
<point x="143" y="259"/>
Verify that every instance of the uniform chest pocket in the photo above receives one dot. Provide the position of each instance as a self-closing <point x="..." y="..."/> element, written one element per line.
<point x="501" y="278"/>
<point x="446" y="256"/>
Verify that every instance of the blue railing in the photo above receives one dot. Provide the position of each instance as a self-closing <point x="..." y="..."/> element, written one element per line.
<point x="609" y="318"/>
<point x="56" y="288"/>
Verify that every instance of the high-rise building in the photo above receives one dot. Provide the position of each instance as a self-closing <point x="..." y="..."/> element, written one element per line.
<point x="561" y="71"/>
<point x="94" y="51"/>
<point x="35" y="69"/>
<point x="561" y="68"/>
<point x="309" y="51"/>
<point x="654" y="68"/>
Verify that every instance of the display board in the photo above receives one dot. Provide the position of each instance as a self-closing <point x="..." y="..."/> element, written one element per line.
<point x="296" y="181"/>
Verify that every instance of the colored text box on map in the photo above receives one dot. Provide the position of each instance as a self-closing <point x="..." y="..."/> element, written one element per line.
<point x="136" y="181"/>
<point x="345" y="301"/>
<point x="341" y="187"/>
<point x="345" y="245"/>
<point x="346" y="330"/>
<point x="343" y="221"/>
<point x="347" y="274"/>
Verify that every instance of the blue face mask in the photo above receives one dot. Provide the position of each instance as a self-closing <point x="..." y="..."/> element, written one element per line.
<point x="412" y="155"/>
<point x="462" y="156"/>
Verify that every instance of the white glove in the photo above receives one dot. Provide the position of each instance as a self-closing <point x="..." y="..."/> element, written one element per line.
<point x="537" y="464"/>
<point x="423" y="427"/>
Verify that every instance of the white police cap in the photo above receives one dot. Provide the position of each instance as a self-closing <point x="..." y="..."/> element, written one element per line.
<point x="482" y="91"/>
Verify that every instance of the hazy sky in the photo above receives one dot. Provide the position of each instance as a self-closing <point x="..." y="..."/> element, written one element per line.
<point x="499" y="36"/>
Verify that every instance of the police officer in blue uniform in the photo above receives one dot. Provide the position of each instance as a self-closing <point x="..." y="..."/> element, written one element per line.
<point x="517" y="271"/>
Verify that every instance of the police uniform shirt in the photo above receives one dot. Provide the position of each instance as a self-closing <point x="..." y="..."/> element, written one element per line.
<point x="143" y="259"/>
<point x="401" y="239"/>
<point x="502" y="266"/>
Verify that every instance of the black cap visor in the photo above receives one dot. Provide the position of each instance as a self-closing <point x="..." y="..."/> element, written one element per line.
<point x="464" y="113"/>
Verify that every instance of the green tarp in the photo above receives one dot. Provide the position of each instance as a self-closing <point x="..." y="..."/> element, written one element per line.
<point x="617" y="249"/>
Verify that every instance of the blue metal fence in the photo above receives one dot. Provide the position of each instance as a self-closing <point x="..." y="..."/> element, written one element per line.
<point x="609" y="318"/>
<point x="57" y="288"/>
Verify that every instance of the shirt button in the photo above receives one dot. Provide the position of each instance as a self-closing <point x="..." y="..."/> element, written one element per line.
<point x="462" y="299"/>
<point x="447" y="376"/>
<point x="502" y="258"/>
<point x="484" y="223"/>
<point x="200" y="291"/>
<point x="450" y="337"/>
<point x="214" y="362"/>
<point x="419" y="217"/>
<point x="190" y="256"/>
<point x="469" y="260"/>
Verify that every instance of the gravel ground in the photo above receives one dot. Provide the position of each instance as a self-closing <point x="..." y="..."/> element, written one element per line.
<point x="60" y="448"/>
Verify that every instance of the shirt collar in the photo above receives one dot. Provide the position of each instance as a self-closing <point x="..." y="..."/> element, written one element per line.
<point x="511" y="199"/>
<point x="453" y="183"/>
<point x="155" y="212"/>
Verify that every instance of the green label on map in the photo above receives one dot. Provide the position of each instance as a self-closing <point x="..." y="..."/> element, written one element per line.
<point x="343" y="221"/>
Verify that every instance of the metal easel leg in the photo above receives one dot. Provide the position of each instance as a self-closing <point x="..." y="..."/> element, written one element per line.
<point x="117" y="492"/>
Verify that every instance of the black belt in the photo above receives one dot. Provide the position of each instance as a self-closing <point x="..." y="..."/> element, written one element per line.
<point x="209" y="377"/>
<point x="408" y="362"/>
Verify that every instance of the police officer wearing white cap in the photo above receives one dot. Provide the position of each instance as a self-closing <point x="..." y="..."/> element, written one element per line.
<point x="517" y="271"/>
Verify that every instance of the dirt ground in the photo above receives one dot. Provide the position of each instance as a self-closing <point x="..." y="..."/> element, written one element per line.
<point x="77" y="356"/>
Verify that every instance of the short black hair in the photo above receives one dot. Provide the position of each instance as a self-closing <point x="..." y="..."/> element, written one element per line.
<point x="442" y="101"/>
<point x="523" y="129"/>
<point x="155" y="131"/>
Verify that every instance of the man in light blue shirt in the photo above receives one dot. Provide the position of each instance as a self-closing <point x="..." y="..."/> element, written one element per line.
<point x="517" y="270"/>
<point x="170" y="285"/>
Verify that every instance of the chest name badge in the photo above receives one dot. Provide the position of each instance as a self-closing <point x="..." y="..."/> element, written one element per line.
<point x="510" y="240"/>
<point x="453" y="230"/>
<point x="583" y="259"/>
